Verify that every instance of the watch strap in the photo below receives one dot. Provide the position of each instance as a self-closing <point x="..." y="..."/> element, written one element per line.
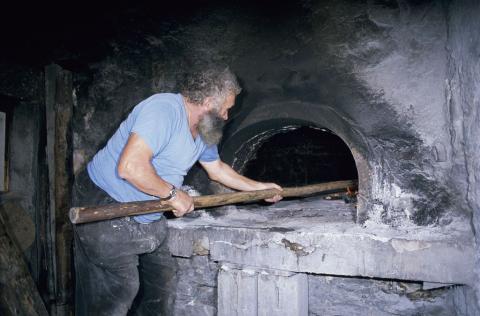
<point x="171" y="195"/>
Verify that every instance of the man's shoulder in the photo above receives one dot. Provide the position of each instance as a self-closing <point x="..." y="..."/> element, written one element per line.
<point x="167" y="96"/>
<point x="164" y="102"/>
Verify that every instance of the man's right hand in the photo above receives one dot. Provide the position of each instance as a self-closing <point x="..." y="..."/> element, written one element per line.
<point x="182" y="203"/>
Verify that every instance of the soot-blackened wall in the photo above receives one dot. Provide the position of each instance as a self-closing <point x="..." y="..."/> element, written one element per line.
<point x="397" y="81"/>
<point x="372" y="73"/>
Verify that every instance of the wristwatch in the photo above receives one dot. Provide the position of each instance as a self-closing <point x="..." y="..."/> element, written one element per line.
<point x="171" y="195"/>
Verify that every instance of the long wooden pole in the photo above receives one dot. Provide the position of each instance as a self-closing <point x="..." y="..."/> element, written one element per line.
<point x="80" y="215"/>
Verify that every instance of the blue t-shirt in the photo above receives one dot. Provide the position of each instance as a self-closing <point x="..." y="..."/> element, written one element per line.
<point x="162" y="122"/>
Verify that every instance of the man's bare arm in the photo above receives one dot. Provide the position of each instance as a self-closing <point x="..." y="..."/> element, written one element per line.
<point x="136" y="167"/>
<point x="221" y="172"/>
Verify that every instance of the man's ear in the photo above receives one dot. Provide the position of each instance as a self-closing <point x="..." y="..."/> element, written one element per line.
<point x="208" y="103"/>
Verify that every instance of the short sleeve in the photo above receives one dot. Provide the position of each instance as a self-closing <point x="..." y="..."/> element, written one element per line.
<point x="154" y="123"/>
<point x="210" y="154"/>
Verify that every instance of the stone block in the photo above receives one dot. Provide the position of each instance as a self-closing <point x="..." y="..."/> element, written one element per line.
<point x="249" y="291"/>
<point x="237" y="292"/>
<point x="282" y="295"/>
<point x="196" y="292"/>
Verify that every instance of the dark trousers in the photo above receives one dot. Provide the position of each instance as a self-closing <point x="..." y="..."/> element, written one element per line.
<point x="117" y="259"/>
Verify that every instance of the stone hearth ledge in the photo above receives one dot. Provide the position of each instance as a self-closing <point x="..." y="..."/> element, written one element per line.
<point x="320" y="237"/>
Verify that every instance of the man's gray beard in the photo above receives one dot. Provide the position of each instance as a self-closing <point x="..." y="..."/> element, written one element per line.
<point x="210" y="128"/>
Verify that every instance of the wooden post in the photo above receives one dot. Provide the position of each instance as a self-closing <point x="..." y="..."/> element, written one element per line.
<point x="18" y="293"/>
<point x="59" y="111"/>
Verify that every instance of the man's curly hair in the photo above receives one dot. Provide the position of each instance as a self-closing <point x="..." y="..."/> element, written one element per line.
<point x="208" y="80"/>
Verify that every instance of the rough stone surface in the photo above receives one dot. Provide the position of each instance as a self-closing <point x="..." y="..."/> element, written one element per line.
<point x="374" y="73"/>
<point x="358" y="297"/>
<point x="237" y="292"/>
<point x="320" y="236"/>
<point x="196" y="287"/>
<point x="396" y="80"/>
<point x="463" y="96"/>
<point x="21" y="82"/>
<point x="247" y="291"/>
<point x="282" y="295"/>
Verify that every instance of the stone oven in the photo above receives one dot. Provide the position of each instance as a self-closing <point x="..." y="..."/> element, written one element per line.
<point x="380" y="77"/>
<point x="382" y="91"/>
<point x="322" y="256"/>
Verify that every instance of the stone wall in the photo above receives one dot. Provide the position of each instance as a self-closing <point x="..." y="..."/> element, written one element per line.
<point x="353" y="296"/>
<point x="372" y="73"/>
<point x="196" y="287"/>
<point x="208" y="288"/>
<point x="308" y="256"/>
<point x="396" y="80"/>
<point x="463" y="95"/>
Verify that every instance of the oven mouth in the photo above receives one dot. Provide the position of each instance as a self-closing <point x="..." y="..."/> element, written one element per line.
<point x="295" y="155"/>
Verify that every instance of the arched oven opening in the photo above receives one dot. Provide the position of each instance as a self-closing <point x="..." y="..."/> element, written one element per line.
<point x="293" y="153"/>
<point x="297" y="155"/>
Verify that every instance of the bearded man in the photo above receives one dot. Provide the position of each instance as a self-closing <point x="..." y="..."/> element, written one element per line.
<point x="147" y="158"/>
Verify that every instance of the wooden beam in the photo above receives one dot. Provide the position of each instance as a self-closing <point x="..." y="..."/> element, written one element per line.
<point x="59" y="152"/>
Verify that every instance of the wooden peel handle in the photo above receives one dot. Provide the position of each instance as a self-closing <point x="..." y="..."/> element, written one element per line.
<point x="80" y="215"/>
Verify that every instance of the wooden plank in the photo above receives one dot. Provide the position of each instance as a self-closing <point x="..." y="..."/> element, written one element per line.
<point x="59" y="153"/>
<point x="18" y="293"/>
<point x="3" y="146"/>
<point x="50" y="88"/>
<point x="63" y="184"/>
<point x="97" y="213"/>
<point x="42" y="272"/>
